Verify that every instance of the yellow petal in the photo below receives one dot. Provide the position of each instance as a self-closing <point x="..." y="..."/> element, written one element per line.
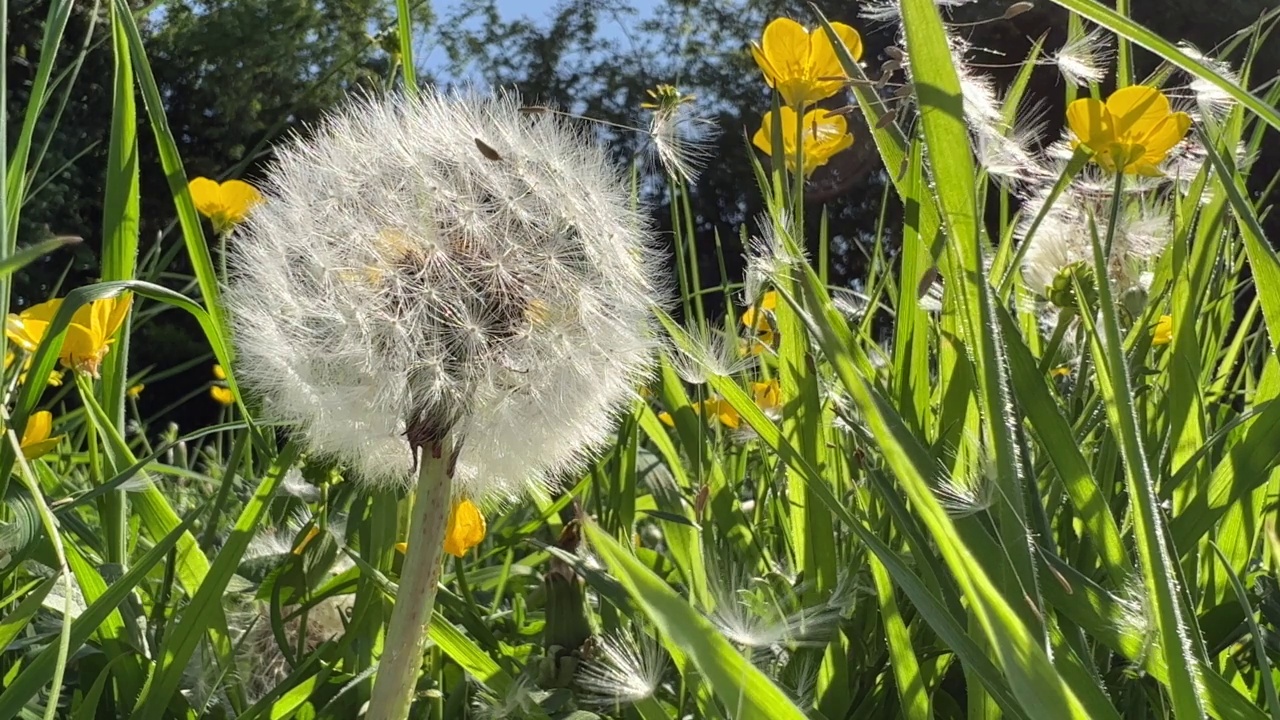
<point x="727" y="415"/>
<point x="238" y="198"/>
<point x="666" y="419"/>
<point x="112" y="314"/>
<point x="135" y="390"/>
<point x="824" y="63"/>
<point x="465" y="529"/>
<point x="769" y="301"/>
<point x="1163" y="136"/>
<point x="39" y="426"/>
<point x="785" y="44"/>
<point x="1060" y="371"/>
<point x="1137" y="109"/>
<point x="27" y="329"/>
<point x="42" y="448"/>
<point x="1163" y="333"/>
<point x="763" y="138"/>
<point x="222" y="395"/>
<point x="82" y="350"/>
<point x="770" y="75"/>
<point x="1091" y="122"/>
<point x="207" y="196"/>
<point x="768" y="395"/>
<point x="219" y="373"/>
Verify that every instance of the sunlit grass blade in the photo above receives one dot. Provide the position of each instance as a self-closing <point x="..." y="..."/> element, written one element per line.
<point x="205" y="608"/>
<point x="1156" y="561"/>
<point x="1255" y="632"/>
<point x="30" y="254"/>
<point x="37" y="673"/>
<point x="747" y="692"/>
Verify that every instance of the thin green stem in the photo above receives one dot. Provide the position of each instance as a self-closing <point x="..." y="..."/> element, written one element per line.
<point x="393" y="688"/>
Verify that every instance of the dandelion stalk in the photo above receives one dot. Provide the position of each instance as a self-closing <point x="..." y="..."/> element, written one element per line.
<point x="393" y="687"/>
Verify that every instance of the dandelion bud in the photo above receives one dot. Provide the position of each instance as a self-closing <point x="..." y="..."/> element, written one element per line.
<point x="447" y="266"/>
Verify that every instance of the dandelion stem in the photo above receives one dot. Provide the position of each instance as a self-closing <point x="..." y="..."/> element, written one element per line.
<point x="397" y="677"/>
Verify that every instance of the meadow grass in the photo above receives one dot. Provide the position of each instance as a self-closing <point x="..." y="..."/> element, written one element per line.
<point x="1004" y="505"/>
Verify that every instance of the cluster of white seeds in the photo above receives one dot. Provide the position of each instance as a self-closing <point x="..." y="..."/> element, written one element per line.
<point x="448" y="266"/>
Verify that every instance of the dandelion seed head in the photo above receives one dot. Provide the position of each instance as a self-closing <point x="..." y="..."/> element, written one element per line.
<point x="683" y="140"/>
<point x="1211" y="101"/>
<point x="445" y="265"/>
<point x="519" y="701"/>
<point x="707" y="352"/>
<point x="1084" y="59"/>
<point x="623" y="667"/>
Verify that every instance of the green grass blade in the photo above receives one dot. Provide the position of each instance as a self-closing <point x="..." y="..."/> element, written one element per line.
<point x="1259" y="646"/>
<point x="28" y="255"/>
<point x="404" y="27"/>
<point x="205" y="608"/>
<point x="37" y="673"/>
<point x="746" y="691"/>
<point x="1156" y="560"/>
<point x="17" y="618"/>
<point x="171" y="162"/>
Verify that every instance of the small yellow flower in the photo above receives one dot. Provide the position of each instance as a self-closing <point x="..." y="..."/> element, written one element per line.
<point x="1060" y="371"/>
<point x="1163" y="333"/>
<point x="768" y="395"/>
<point x="756" y="316"/>
<point x="825" y="134"/>
<point x="89" y="335"/>
<point x="135" y="391"/>
<point x="226" y="204"/>
<point x="801" y="63"/>
<point x="35" y="438"/>
<point x="665" y="418"/>
<point x="1131" y="132"/>
<point x="219" y="391"/>
<point x="465" y="530"/>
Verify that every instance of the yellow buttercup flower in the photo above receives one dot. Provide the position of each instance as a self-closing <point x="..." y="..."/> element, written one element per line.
<point x="219" y="391"/>
<point x="756" y="317"/>
<point x="1131" y="132"/>
<point x="768" y="395"/>
<point x="226" y="204"/>
<point x="135" y="390"/>
<point x="825" y="134"/>
<point x="89" y="335"/>
<point x="35" y="437"/>
<point x="1060" y="371"/>
<point x="802" y="64"/>
<point x="465" y="529"/>
<point x="1163" y="333"/>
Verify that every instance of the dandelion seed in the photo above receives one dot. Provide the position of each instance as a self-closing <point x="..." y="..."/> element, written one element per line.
<point x="397" y="284"/>
<point x="754" y="613"/>
<point x="890" y="10"/>
<point x="704" y="353"/>
<point x="519" y="700"/>
<point x="1084" y="59"/>
<point x="680" y="137"/>
<point x="621" y="668"/>
<point x="1211" y="100"/>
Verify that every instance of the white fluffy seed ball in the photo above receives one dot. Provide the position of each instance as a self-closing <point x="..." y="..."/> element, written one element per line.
<point x="446" y="264"/>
